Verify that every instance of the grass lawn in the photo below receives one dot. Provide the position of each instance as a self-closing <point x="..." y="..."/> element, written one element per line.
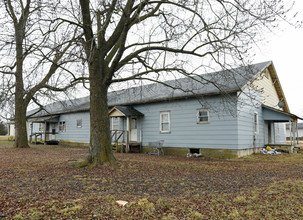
<point x="3" y="138"/>
<point x="41" y="183"/>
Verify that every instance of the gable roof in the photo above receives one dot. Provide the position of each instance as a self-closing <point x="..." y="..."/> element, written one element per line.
<point x="226" y="81"/>
<point x="278" y="87"/>
<point x="126" y="111"/>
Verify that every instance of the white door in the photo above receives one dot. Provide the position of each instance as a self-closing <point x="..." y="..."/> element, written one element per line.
<point x="133" y="129"/>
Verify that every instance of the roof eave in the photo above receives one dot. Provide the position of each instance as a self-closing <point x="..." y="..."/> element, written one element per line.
<point x="278" y="86"/>
<point x="166" y="99"/>
<point x="255" y="76"/>
<point x="283" y="112"/>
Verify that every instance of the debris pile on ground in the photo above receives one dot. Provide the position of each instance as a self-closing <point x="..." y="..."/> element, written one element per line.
<point x="269" y="150"/>
<point x="121" y="202"/>
<point x="193" y="155"/>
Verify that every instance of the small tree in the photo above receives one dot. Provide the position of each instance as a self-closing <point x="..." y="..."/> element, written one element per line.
<point x="150" y="40"/>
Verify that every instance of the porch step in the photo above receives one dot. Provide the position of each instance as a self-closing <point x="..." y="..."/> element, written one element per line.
<point x="120" y="148"/>
<point x="114" y="148"/>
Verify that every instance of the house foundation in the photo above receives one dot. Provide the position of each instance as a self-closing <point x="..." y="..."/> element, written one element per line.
<point x="211" y="153"/>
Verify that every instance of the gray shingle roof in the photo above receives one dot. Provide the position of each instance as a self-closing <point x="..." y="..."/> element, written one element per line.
<point x="226" y="81"/>
<point x="128" y="111"/>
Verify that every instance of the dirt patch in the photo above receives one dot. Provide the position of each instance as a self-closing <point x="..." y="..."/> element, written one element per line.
<point x="40" y="182"/>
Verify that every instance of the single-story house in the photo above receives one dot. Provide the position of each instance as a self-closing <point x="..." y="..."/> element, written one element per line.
<point x="243" y="111"/>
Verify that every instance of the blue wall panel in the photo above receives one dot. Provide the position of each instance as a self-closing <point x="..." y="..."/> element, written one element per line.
<point x="219" y="133"/>
<point x="73" y="133"/>
<point x="249" y="103"/>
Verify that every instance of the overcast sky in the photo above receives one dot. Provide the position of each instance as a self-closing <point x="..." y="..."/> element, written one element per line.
<point x="285" y="49"/>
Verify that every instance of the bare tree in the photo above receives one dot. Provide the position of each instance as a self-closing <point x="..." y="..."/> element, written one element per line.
<point x="154" y="39"/>
<point x="35" y="56"/>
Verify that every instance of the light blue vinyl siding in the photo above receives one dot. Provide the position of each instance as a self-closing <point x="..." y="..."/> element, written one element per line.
<point x="219" y="133"/>
<point x="246" y="129"/>
<point x="72" y="132"/>
<point x="230" y="126"/>
<point x="247" y="107"/>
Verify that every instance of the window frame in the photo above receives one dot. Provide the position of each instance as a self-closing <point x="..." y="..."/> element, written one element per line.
<point x="162" y="131"/>
<point x="62" y="126"/>
<point x="79" y="123"/>
<point x="41" y="127"/>
<point x="134" y="123"/>
<point x="198" y="116"/>
<point x="115" y="124"/>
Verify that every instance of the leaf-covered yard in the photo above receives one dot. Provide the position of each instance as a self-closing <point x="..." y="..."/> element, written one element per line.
<point x="41" y="183"/>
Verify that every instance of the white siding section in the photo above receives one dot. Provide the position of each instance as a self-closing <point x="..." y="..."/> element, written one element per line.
<point x="265" y="85"/>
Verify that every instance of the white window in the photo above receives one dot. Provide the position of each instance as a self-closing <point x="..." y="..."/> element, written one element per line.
<point x="134" y="123"/>
<point x="165" y="122"/>
<point x="62" y="126"/>
<point x="202" y="116"/>
<point x="79" y="123"/>
<point x="256" y="123"/>
<point x="115" y="123"/>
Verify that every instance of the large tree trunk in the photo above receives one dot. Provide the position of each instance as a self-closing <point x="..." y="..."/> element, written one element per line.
<point x="20" y="105"/>
<point x="100" y="139"/>
<point x="20" y="122"/>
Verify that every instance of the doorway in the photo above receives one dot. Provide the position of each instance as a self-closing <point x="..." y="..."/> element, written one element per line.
<point x="133" y="129"/>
